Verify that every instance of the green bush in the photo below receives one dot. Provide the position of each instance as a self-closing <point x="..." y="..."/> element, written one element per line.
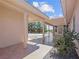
<point x="48" y="30"/>
<point x="35" y="27"/>
<point x="65" y="44"/>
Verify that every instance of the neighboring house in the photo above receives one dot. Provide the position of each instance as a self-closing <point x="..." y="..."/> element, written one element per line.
<point x="71" y="12"/>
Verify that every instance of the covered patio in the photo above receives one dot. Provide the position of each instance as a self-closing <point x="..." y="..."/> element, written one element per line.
<point x="16" y="42"/>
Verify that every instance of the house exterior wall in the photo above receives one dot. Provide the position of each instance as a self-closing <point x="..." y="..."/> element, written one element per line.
<point x="12" y="29"/>
<point x="76" y="15"/>
<point x="71" y="24"/>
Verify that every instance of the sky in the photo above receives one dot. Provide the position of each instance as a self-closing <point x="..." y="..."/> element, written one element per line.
<point x="51" y="8"/>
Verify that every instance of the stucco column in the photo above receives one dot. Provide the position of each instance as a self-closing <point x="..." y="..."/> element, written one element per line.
<point x="26" y="29"/>
<point x="53" y="35"/>
<point x="43" y="41"/>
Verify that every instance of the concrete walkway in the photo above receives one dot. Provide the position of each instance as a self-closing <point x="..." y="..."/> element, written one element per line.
<point x="34" y="50"/>
<point x="43" y="52"/>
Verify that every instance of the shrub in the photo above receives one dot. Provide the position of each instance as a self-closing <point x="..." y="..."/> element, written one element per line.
<point x="65" y="44"/>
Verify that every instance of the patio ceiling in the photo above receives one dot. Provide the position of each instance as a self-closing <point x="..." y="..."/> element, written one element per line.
<point x="68" y="8"/>
<point x="34" y="13"/>
<point x="24" y="7"/>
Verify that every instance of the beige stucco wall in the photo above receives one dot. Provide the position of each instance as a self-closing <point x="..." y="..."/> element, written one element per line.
<point x="76" y="14"/>
<point x="77" y="24"/>
<point x="12" y="29"/>
<point x="71" y="24"/>
<point x="77" y="17"/>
